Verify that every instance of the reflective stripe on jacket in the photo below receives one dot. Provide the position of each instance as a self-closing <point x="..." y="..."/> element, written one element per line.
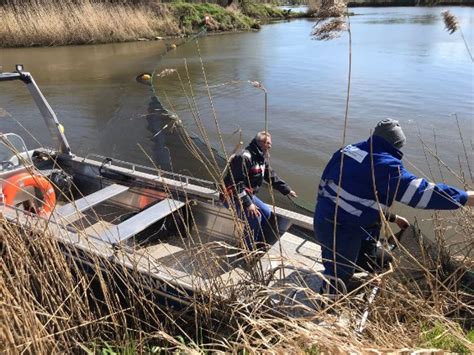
<point x="358" y="203"/>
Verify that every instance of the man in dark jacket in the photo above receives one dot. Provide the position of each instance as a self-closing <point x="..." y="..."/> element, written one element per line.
<point x="246" y="173"/>
<point x="373" y="177"/>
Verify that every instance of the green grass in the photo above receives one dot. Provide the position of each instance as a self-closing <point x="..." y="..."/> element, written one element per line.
<point x="191" y="16"/>
<point x="313" y="350"/>
<point x="258" y="10"/>
<point x="176" y="344"/>
<point x="440" y="337"/>
<point x="470" y="336"/>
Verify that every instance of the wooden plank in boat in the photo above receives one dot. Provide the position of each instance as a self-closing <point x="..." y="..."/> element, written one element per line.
<point x="232" y="277"/>
<point x="140" y="221"/>
<point x="72" y="211"/>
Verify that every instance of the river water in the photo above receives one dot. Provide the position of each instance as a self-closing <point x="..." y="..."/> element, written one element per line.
<point x="404" y="66"/>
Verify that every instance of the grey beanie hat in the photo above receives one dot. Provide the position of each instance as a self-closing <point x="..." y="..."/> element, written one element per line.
<point x="391" y="131"/>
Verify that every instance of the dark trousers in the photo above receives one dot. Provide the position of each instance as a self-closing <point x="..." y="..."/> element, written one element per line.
<point x="354" y="247"/>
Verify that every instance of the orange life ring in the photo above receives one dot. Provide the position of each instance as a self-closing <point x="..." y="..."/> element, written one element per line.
<point x="22" y="180"/>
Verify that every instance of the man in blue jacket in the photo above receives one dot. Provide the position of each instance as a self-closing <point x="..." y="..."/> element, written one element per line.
<point x="373" y="177"/>
<point x="246" y="173"/>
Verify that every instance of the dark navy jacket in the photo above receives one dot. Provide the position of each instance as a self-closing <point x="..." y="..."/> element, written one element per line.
<point x="246" y="173"/>
<point x="369" y="185"/>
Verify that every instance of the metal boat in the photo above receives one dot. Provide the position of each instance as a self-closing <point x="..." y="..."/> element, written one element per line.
<point x="171" y="230"/>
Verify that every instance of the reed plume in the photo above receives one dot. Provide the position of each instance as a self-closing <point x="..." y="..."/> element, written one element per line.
<point x="450" y="21"/>
<point x="330" y="20"/>
<point x="330" y="29"/>
<point x="452" y="25"/>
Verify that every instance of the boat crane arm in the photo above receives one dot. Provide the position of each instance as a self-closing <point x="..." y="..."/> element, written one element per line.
<point x="46" y="111"/>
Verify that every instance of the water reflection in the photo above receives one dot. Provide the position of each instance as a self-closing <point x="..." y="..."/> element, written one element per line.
<point x="420" y="19"/>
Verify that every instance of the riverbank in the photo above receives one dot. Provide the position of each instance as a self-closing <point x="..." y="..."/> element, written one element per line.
<point x="52" y="23"/>
<point x="69" y="22"/>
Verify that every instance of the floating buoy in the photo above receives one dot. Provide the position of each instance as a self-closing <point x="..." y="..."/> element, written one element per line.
<point x="144" y="78"/>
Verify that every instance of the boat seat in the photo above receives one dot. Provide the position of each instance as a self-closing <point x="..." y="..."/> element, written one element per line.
<point x="128" y="228"/>
<point x="296" y="218"/>
<point x="72" y="211"/>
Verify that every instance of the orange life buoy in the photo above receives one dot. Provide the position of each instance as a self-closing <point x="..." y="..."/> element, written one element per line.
<point x="22" y="180"/>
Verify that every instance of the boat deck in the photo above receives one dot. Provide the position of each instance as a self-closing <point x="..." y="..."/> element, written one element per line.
<point x="204" y="262"/>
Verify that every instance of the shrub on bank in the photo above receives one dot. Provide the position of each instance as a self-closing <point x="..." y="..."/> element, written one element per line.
<point x="191" y="17"/>
<point x="260" y="10"/>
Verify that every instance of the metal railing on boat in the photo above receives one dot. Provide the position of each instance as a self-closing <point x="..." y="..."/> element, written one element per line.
<point x="155" y="171"/>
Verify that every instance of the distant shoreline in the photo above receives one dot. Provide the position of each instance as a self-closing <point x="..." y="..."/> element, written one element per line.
<point x="48" y="24"/>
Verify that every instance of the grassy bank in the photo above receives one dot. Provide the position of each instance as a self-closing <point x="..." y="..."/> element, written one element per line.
<point x="191" y="17"/>
<point x="53" y="23"/>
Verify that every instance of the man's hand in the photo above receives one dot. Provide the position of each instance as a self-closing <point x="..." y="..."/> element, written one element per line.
<point x="292" y="194"/>
<point x="253" y="211"/>
<point x="402" y="222"/>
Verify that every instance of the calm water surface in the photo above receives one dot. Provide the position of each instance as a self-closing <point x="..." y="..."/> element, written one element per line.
<point x="404" y="65"/>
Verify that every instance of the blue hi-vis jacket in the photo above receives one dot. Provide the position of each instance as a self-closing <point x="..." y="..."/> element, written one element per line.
<point x="357" y="199"/>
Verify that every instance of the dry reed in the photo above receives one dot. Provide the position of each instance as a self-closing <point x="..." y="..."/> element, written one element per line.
<point x="49" y="23"/>
<point x="330" y="20"/>
<point x="53" y="305"/>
